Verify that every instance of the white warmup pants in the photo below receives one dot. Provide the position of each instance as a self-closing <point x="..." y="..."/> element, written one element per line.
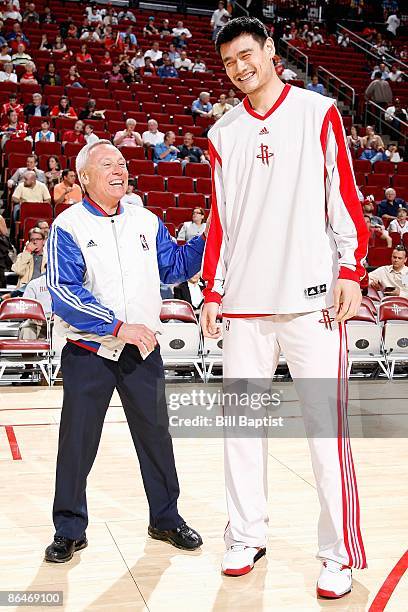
<point x="314" y="349"/>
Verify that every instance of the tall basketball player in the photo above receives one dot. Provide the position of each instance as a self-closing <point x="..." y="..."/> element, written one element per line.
<point x="283" y="254"/>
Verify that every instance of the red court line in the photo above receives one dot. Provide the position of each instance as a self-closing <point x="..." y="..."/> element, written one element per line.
<point x="15" y="451"/>
<point x="384" y="594"/>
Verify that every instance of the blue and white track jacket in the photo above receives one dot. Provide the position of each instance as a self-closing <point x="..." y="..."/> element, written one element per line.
<point x="104" y="270"/>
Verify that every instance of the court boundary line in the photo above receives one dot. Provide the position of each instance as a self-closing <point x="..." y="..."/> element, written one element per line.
<point x="389" y="585"/>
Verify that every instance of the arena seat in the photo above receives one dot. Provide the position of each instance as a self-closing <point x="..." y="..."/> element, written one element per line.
<point x="168" y="169"/>
<point x="178" y="184"/>
<point x="393" y="314"/>
<point x="147" y="182"/>
<point x="24" y="355"/>
<point x="164" y="199"/>
<point x="180" y="340"/>
<point x="197" y="170"/>
<point x="156" y="210"/>
<point x="178" y="215"/>
<point x="379" y="256"/>
<point x="364" y="341"/>
<point x="191" y="200"/>
<point x="140" y="166"/>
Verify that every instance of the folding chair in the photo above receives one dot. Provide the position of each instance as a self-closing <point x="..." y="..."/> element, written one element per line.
<point x="17" y="353"/>
<point x="394" y="314"/>
<point x="180" y="340"/>
<point x="364" y="340"/>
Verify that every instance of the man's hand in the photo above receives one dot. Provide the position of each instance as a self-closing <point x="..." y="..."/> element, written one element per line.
<point x="30" y="247"/>
<point x="347" y="299"/>
<point x="395" y="291"/>
<point x="139" y="335"/>
<point x="375" y="284"/>
<point x="208" y="320"/>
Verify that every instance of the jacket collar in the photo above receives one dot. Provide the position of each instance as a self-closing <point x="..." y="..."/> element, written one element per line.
<point x="95" y="209"/>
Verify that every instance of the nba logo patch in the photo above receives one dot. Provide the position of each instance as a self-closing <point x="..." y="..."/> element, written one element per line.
<point x="143" y="241"/>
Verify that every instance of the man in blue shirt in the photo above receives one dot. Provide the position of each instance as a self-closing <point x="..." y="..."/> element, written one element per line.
<point x="316" y="86"/>
<point x="202" y="106"/>
<point x="166" y="150"/>
<point x="391" y="205"/>
<point x="167" y="70"/>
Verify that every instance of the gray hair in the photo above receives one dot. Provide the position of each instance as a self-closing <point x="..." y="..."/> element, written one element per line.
<point x="81" y="161"/>
<point x="390" y="190"/>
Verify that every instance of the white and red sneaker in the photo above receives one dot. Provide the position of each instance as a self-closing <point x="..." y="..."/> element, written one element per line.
<point x="240" y="559"/>
<point x="335" y="580"/>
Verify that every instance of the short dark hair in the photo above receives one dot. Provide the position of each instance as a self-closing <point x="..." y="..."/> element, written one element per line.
<point x="378" y="75"/>
<point x="400" y="248"/>
<point x="241" y="25"/>
<point x="66" y="172"/>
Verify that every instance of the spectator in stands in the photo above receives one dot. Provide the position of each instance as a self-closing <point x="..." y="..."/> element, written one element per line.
<point x="395" y="113"/>
<point x="377" y="231"/>
<point x="385" y="73"/>
<point x="152" y="136"/>
<point x="373" y="146"/>
<point x="191" y="291"/>
<point x="287" y="34"/>
<point x="166" y="151"/>
<point x="128" y="137"/>
<point x="44" y="227"/>
<point x="74" y="79"/>
<point x="45" y="134"/>
<point x="395" y="75"/>
<point x="8" y="73"/>
<point x="90" y="33"/>
<point x="114" y="75"/>
<point x="137" y="61"/>
<point x="393" y="23"/>
<point x="183" y="62"/>
<point x="219" y="18"/>
<point x="130" y="197"/>
<point x="29" y="190"/>
<point x="94" y="14"/>
<point x="67" y="192"/>
<point x="53" y="174"/>
<point x="315" y="37"/>
<point x="36" y="108"/>
<point x="199" y="65"/>
<point x="154" y="53"/>
<point x="131" y="75"/>
<point x="221" y="107"/>
<point x="45" y="44"/>
<point x="173" y="53"/>
<point x="288" y="75"/>
<point x="389" y="207"/>
<point x="148" y="69"/>
<point x="20" y="58"/>
<point x="75" y="136"/>
<point x="196" y="227"/>
<point x="5" y="249"/>
<point x="188" y="152"/>
<point x="83" y="57"/>
<point x="150" y="28"/>
<point x="36" y="289"/>
<point x="50" y="76"/>
<point x="59" y="47"/>
<point x="400" y="224"/>
<point x="379" y="91"/>
<point x="4" y="53"/>
<point x="108" y="37"/>
<point x="126" y="15"/>
<point x="343" y="39"/>
<point x="180" y="29"/>
<point x="202" y="106"/>
<point x="165" y="29"/>
<point x="31" y="164"/>
<point x="111" y="17"/>
<point x="63" y="109"/>
<point x="393" y="155"/>
<point x="12" y="104"/>
<point x="106" y="61"/>
<point x="17" y="33"/>
<point x="354" y="141"/>
<point x="12" y="13"/>
<point x="30" y="15"/>
<point x="13" y="129"/>
<point x="30" y="264"/>
<point x="316" y="86"/>
<point x="29" y="75"/>
<point x="395" y="275"/>
<point x="47" y="16"/>
<point x="90" y="137"/>
<point x="167" y="70"/>
<point x="368" y="208"/>
<point x="129" y="35"/>
<point x="72" y="31"/>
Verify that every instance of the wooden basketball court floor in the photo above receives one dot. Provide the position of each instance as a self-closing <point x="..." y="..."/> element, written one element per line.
<point x="122" y="569"/>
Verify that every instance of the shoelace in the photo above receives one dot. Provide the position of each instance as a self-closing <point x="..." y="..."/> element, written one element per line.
<point x="334" y="567"/>
<point x="184" y="528"/>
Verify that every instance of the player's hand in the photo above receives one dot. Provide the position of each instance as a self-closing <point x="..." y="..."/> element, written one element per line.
<point x="208" y="320"/>
<point x="347" y="299"/>
<point x="139" y="335"/>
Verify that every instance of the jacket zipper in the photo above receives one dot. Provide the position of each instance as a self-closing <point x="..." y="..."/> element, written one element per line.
<point x="120" y="266"/>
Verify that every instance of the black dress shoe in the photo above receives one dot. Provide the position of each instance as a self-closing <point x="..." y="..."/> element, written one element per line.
<point x="62" y="549"/>
<point x="181" y="537"/>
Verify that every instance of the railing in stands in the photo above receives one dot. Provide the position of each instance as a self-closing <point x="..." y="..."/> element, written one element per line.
<point x="337" y="87"/>
<point x="375" y="114"/>
<point x="294" y="55"/>
<point x="368" y="48"/>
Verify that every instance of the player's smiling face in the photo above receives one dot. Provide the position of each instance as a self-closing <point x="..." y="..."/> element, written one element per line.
<point x="247" y="63"/>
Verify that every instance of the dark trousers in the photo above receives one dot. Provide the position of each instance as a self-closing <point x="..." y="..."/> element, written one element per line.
<point x="89" y="382"/>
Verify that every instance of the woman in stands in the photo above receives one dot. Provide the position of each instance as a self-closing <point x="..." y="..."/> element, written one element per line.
<point x="8" y="74"/>
<point x="29" y="74"/>
<point x="45" y="44"/>
<point x="355" y="142"/>
<point x="59" y="46"/>
<point x="91" y="112"/>
<point x="54" y="173"/>
<point x="13" y="129"/>
<point x="148" y="69"/>
<point x="63" y="109"/>
<point x="73" y="78"/>
<point x="195" y="227"/>
<point x="106" y="61"/>
<point x="50" y="76"/>
<point x="84" y="57"/>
